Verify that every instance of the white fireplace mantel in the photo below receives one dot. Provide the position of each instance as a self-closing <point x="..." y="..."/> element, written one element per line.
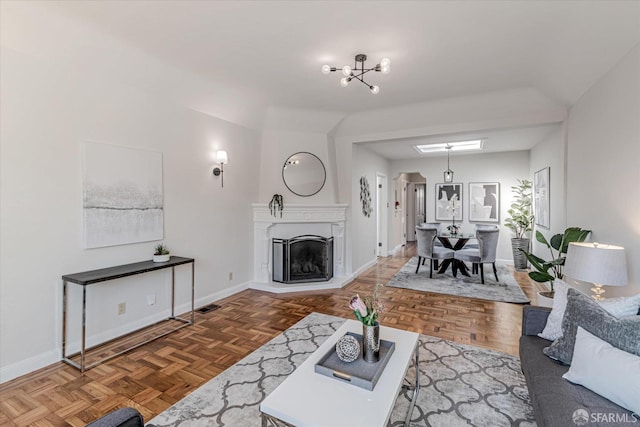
<point x="297" y="219"/>
<point x="301" y="213"/>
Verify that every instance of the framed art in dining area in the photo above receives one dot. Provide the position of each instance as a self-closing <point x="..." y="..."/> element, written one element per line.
<point x="446" y="209"/>
<point x="541" y="197"/>
<point x="484" y="202"/>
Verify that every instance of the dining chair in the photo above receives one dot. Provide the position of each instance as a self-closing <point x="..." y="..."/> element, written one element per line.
<point x="437" y="226"/>
<point x="486" y="252"/>
<point x="480" y="227"/>
<point x="425" y="237"/>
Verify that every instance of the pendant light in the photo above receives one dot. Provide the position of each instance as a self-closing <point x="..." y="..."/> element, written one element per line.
<point x="448" y="174"/>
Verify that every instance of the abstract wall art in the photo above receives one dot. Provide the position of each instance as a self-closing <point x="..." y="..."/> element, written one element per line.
<point x="365" y="196"/>
<point x="541" y="197"/>
<point x="484" y="201"/>
<point x="446" y="209"/>
<point x="122" y="198"/>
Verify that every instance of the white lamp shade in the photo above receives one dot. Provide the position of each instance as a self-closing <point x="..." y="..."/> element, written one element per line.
<point x="222" y="157"/>
<point x="596" y="263"/>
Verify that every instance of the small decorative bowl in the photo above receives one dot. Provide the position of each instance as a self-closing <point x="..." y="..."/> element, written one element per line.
<point x="348" y="348"/>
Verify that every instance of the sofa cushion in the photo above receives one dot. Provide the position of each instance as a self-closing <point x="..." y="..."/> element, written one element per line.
<point x="619" y="307"/>
<point x="554" y="399"/>
<point x="583" y="311"/>
<point x="606" y="370"/>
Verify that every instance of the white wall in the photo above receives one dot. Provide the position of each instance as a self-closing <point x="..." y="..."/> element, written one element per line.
<point x="550" y="152"/>
<point x="363" y="236"/>
<point x="603" y="168"/>
<point x="505" y="168"/>
<point x="47" y="110"/>
<point x="277" y="146"/>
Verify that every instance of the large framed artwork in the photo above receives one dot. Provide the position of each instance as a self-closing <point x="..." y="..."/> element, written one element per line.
<point x="446" y="208"/>
<point x="484" y="201"/>
<point x="541" y="197"/>
<point x="122" y="195"/>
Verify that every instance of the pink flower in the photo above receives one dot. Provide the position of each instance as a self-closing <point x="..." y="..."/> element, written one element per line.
<point x="356" y="304"/>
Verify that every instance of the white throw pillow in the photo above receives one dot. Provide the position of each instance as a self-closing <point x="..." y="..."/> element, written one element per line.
<point x="553" y="329"/>
<point x="606" y="370"/>
<point x="619" y="307"/>
<point x="623" y="306"/>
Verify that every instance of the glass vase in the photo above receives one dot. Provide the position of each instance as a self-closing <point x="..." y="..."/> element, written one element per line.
<point x="371" y="342"/>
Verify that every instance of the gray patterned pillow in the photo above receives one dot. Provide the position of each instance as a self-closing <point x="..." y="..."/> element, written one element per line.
<point x="582" y="311"/>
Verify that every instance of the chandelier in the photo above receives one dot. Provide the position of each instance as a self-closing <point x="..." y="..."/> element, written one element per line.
<point x="448" y="174"/>
<point x="359" y="70"/>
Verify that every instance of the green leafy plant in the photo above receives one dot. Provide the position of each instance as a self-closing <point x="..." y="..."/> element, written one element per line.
<point x="161" y="249"/>
<point x="521" y="217"/>
<point x="547" y="271"/>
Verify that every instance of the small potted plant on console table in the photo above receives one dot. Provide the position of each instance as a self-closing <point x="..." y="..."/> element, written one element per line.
<point x="161" y="253"/>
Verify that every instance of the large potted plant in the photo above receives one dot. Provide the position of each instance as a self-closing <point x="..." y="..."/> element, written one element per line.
<point x="548" y="271"/>
<point x="520" y="222"/>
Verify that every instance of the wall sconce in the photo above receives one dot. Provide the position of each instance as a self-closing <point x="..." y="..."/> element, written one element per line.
<point x="222" y="159"/>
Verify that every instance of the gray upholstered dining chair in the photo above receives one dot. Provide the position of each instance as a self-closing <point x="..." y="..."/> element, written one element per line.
<point x="437" y="226"/>
<point x="475" y="245"/>
<point x="486" y="252"/>
<point x="425" y="237"/>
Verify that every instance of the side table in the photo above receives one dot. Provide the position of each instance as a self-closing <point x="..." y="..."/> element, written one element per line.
<point x="87" y="278"/>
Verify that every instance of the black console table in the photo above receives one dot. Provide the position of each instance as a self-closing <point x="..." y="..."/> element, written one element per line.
<point x="87" y="278"/>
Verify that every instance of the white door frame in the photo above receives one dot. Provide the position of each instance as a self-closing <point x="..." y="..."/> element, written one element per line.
<point x="382" y="207"/>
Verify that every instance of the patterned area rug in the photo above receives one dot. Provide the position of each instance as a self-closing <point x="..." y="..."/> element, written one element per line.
<point x="460" y="385"/>
<point x="506" y="290"/>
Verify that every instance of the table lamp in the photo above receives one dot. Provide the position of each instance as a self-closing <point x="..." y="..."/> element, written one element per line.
<point x="598" y="264"/>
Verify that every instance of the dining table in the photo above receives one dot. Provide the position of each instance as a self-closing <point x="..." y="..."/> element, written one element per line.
<point x="455" y="242"/>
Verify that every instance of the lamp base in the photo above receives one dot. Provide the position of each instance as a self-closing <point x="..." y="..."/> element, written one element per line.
<point x="597" y="292"/>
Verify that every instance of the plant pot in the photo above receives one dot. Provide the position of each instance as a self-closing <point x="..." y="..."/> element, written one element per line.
<point x="161" y="258"/>
<point x="545" y="299"/>
<point x="519" y="259"/>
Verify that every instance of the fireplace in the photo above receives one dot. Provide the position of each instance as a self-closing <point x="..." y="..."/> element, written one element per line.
<point x="305" y="258"/>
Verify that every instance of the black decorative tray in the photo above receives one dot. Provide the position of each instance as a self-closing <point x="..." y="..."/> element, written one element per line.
<point x="359" y="373"/>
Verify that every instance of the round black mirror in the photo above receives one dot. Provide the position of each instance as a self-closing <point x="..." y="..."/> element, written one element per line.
<point x="304" y="174"/>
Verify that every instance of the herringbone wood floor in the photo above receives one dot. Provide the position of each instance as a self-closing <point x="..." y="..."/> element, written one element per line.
<point x="158" y="374"/>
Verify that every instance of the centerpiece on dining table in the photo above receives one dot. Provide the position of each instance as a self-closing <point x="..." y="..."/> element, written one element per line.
<point x="366" y="311"/>
<point x="452" y="206"/>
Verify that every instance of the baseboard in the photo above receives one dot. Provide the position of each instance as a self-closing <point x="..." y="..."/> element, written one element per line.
<point x="397" y="249"/>
<point x="364" y="267"/>
<point x="27" y="366"/>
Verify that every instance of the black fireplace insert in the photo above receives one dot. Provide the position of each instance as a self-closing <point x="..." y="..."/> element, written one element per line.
<point x="305" y="258"/>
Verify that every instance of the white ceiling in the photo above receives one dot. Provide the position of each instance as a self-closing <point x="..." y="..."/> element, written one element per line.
<point x="271" y="52"/>
<point x="438" y="49"/>
<point x="523" y="138"/>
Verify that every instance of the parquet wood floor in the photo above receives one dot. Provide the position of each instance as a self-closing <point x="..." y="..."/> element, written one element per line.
<point x="158" y="374"/>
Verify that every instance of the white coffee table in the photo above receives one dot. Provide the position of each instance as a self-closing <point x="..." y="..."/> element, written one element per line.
<point x="306" y="398"/>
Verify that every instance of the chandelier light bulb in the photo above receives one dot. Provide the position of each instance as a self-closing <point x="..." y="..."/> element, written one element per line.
<point x="385" y="62"/>
<point x="346" y="70"/>
<point x="375" y="89"/>
<point x="326" y="69"/>
<point x="344" y="82"/>
<point x="385" y="69"/>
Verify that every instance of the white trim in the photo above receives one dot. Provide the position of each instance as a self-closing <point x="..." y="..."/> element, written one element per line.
<point x="397" y="249"/>
<point x="333" y="216"/>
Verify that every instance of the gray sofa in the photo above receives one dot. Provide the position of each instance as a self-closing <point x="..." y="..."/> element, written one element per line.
<point x="123" y="417"/>
<point x="553" y="398"/>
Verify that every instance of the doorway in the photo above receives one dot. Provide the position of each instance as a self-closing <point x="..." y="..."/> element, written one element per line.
<point x="416" y="204"/>
<point x="381" y="214"/>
